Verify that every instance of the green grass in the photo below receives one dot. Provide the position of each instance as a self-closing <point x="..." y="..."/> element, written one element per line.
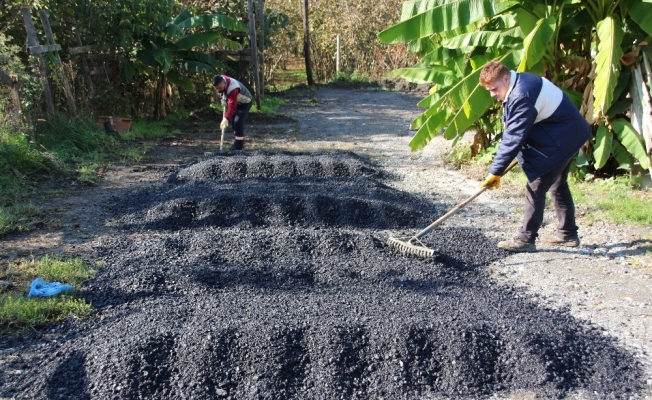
<point x="146" y="129"/>
<point x="17" y="312"/>
<point x="19" y="217"/>
<point x="353" y="77"/>
<point x="289" y="78"/>
<point x="268" y="105"/>
<point x="615" y="200"/>
<point x="73" y="148"/>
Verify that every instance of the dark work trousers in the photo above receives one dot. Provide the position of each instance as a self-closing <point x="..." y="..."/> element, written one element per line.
<point x="556" y="182"/>
<point x="241" y="113"/>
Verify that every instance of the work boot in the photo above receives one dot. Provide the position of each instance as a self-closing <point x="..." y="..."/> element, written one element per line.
<point x="238" y="145"/>
<point x="516" y="245"/>
<point x="557" y="241"/>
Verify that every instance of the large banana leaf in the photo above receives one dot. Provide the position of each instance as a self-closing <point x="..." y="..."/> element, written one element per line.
<point x="180" y="80"/>
<point x="610" y="36"/>
<point x="201" y="57"/>
<point x="535" y="43"/>
<point x="443" y="17"/>
<point x="440" y="56"/>
<point x="625" y="160"/>
<point x="164" y="58"/>
<point x="641" y="13"/>
<point x="526" y="20"/>
<point x="412" y="8"/>
<point x="195" y="67"/>
<point x="631" y="140"/>
<point x="603" y="145"/>
<point x="198" y="39"/>
<point x="455" y="98"/>
<point x="474" y="106"/>
<point x="437" y="74"/>
<point x="430" y="129"/>
<point x="435" y="107"/>
<point x="506" y="38"/>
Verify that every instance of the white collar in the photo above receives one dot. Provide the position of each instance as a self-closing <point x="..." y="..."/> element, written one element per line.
<point x="512" y="82"/>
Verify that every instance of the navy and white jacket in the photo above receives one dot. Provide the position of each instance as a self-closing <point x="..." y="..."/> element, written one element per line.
<point x="542" y="127"/>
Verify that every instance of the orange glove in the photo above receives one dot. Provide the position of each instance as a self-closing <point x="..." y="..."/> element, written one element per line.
<point x="491" y="182"/>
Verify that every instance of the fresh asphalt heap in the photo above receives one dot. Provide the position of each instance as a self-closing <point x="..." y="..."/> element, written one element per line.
<point x="267" y="276"/>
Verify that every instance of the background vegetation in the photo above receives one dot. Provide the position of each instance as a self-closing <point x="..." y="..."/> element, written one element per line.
<point x="596" y="50"/>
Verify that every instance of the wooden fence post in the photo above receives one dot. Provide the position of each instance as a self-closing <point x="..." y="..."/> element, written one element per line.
<point x="70" y="99"/>
<point x="261" y="45"/>
<point x="87" y="71"/>
<point x="254" y="50"/>
<point x="306" y="43"/>
<point x="338" y="56"/>
<point x="32" y="43"/>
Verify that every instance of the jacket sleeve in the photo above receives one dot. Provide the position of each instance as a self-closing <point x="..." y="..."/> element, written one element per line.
<point x="519" y="118"/>
<point x="232" y="104"/>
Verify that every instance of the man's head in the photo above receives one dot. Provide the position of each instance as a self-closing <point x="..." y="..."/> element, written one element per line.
<point x="219" y="84"/>
<point x="495" y="77"/>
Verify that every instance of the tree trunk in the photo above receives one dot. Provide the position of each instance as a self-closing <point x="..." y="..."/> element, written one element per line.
<point x="12" y="82"/>
<point x="160" y="108"/>
<point x="306" y="44"/>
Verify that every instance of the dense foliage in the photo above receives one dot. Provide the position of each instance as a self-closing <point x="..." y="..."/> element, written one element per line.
<point x="356" y="22"/>
<point x="592" y="49"/>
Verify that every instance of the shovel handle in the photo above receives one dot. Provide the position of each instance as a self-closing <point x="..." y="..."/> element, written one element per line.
<point x="222" y="137"/>
<point x="458" y="207"/>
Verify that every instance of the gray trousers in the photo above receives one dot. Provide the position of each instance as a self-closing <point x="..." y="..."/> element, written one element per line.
<point x="555" y="181"/>
<point x="239" y="118"/>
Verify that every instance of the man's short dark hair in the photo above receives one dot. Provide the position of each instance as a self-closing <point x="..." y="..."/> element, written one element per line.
<point x="217" y="79"/>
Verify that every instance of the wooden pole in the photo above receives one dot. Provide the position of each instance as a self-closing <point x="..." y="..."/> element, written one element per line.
<point x="32" y="41"/>
<point x="306" y="44"/>
<point x="338" y="57"/>
<point x="254" y="51"/>
<point x="261" y="45"/>
<point x="70" y="99"/>
<point x="87" y="71"/>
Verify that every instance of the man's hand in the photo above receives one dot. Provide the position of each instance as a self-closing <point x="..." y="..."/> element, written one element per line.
<point x="491" y="182"/>
<point x="224" y="124"/>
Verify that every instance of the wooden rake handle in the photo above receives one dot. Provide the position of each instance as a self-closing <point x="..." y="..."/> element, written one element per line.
<point x="458" y="207"/>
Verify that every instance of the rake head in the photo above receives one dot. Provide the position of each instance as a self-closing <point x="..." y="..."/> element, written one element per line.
<point x="407" y="247"/>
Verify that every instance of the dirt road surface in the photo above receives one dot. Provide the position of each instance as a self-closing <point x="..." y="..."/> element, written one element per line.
<point x="266" y="275"/>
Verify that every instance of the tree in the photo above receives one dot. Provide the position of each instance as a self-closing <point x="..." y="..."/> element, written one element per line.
<point x="577" y="44"/>
<point x="172" y="58"/>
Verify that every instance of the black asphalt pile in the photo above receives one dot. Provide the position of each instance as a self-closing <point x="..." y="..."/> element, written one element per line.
<point x="238" y="295"/>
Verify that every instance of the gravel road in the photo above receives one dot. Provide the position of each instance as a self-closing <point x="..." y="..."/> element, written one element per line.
<point x="265" y="275"/>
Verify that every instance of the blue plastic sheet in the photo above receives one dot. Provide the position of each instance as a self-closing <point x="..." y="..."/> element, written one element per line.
<point x="41" y="288"/>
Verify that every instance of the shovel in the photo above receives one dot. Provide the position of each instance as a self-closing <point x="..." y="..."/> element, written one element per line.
<point x="414" y="246"/>
<point x="222" y="137"/>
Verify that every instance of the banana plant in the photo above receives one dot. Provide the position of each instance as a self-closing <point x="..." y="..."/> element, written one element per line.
<point x="180" y="52"/>
<point x="577" y="44"/>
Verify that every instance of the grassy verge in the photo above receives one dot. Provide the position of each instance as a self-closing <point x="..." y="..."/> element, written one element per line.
<point x="18" y="312"/>
<point x="614" y="199"/>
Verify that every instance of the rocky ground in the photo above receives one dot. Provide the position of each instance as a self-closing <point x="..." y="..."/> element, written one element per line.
<point x="266" y="275"/>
